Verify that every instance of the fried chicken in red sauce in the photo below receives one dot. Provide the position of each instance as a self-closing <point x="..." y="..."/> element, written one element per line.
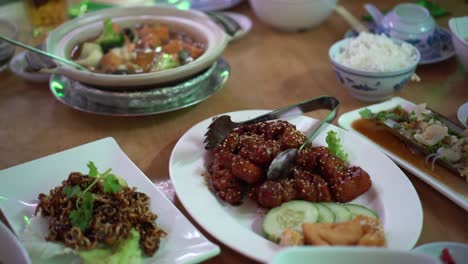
<point x="241" y="161"/>
<point x="346" y="183"/>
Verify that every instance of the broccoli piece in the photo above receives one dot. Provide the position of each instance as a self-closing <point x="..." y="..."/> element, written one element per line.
<point x="166" y="61"/>
<point x="109" y="38"/>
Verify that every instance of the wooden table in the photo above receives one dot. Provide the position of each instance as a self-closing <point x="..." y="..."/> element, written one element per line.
<point x="269" y="69"/>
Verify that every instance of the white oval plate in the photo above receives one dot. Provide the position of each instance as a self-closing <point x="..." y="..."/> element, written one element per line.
<point x="392" y="195"/>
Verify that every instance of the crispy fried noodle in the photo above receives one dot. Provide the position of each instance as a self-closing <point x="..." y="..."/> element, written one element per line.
<point x="114" y="214"/>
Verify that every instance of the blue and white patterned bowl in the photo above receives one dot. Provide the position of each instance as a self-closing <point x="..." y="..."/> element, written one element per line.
<point x="371" y="86"/>
<point x="435" y="48"/>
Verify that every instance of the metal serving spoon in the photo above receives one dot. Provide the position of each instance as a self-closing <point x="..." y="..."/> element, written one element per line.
<point x="283" y="164"/>
<point x="44" y="53"/>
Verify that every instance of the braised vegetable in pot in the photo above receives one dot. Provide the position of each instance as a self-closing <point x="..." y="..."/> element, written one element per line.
<point x="144" y="48"/>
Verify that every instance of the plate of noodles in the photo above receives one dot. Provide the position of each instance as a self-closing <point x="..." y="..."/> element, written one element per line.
<point x="91" y="204"/>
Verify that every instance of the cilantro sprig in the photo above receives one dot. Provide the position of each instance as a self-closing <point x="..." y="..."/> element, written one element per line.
<point x="335" y="146"/>
<point x="366" y="113"/>
<point x="83" y="213"/>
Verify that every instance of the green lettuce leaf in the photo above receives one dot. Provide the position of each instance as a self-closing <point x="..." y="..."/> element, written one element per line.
<point x="126" y="252"/>
<point x="335" y="147"/>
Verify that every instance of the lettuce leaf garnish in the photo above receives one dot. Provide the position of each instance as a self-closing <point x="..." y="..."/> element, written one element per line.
<point x="127" y="251"/>
<point x="335" y="146"/>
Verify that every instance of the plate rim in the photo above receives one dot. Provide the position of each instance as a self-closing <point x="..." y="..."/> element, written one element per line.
<point x="345" y="121"/>
<point x="242" y="250"/>
<point x="110" y="142"/>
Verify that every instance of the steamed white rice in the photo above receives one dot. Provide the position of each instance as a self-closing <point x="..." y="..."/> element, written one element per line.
<point x="375" y="53"/>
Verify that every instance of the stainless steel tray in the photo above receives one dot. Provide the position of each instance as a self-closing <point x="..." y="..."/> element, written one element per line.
<point x="146" y="102"/>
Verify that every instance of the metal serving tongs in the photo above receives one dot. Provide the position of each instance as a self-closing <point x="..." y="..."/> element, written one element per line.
<point x="393" y="127"/>
<point x="222" y="125"/>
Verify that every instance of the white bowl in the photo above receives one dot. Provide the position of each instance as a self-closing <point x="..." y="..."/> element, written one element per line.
<point x="459" y="28"/>
<point x="371" y="86"/>
<point x="458" y="251"/>
<point x="61" y="40"/>
<point x="409" y="22"/>
<point x="11" y="250"/>
<point x="462" y="115"/>
<point x="350" y="255"/>
<point x="292" y="15"/>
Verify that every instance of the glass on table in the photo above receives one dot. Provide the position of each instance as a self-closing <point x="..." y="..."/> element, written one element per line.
<point x="45" y="15"/>
<point x="7" y="50"/>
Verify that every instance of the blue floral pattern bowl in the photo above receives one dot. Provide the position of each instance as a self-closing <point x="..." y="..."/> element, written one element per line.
<point x="436" y="48"/>
<point x="371" y="86"/>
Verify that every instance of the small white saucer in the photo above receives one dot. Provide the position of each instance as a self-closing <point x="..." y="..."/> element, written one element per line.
<point x="18" y="66"/>
<point x="244" y="22"/>
<point x="462" y="115"/>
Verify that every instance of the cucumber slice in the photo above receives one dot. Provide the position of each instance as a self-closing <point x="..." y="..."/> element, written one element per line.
<point x="289" y="215"/>
<point x="325" y="214"/>
<point x="342" y="214"/>
<point x="357" y="209"/>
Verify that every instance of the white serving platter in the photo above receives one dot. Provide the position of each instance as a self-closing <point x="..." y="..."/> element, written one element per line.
<point x="22" y="184"/>
<point x="460" y="196"/>
<point x="239" y="227"/>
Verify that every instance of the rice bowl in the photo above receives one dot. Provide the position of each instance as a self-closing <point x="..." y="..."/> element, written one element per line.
<point x="375" y="53"/>
<point x="373" y="81"/>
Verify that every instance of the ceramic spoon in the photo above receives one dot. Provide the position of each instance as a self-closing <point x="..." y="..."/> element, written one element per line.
<point x="41" y="52"/>
<point x="283" y="164"/>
